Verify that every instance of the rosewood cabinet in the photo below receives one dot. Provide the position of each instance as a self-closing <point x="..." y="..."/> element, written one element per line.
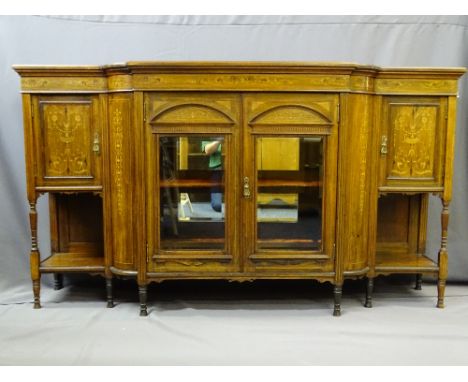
<point x="238" y="171"/>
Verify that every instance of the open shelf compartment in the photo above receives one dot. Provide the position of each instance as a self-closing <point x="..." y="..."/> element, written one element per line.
<point x="76" y="233"/>
<point x="404" y="263"/>
<point x="401" y="235"/>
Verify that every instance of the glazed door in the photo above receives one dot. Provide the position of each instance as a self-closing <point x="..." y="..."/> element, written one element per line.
<point x="289" y="182"/>
<point x="191" y="155"/>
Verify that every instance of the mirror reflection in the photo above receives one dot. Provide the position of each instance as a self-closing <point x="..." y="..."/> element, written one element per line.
<point x="289" y="192"/>
<point x="192" y="205"/>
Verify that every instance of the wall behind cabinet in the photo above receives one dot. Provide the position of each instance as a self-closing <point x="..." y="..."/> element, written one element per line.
<point x="380" y="40"/>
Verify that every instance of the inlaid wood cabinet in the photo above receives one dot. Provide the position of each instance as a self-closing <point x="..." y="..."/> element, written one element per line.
<point x="239" y="171"/>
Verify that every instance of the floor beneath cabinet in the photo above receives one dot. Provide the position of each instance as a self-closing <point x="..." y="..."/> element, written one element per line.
<point x="220" y="323"/>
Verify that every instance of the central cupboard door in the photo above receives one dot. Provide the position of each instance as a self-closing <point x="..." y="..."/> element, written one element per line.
<point x="192" y="158"/>
<point x="289" y="183"/>
<point x="241" y="184"/>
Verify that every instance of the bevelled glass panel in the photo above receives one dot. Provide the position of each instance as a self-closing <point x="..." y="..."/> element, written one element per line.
<point x="289" y="192"/>
<point x="192" y="189"/>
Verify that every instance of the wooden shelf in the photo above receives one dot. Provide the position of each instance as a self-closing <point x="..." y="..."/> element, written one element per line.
<point x="193" y="183"/>
<point x="402" y="262"/>
<point x="287" y="183"/>
<point x="72" y="262"/>
<point x="189" y="183"/>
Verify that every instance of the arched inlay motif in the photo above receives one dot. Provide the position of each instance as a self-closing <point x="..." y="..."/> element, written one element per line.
<point x="290" y="115"/>
<point x="191" y="113"/>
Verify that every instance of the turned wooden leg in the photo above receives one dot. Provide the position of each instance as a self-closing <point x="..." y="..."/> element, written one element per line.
<point x="418" y="285"/>
<point x="142" y="292"/>
<point x="443" y="255"/>
<point x="440" y="293"/>
<point x="369" y="290"/>
<point x="58" y="281"/>
<point x="337" y="292"/>
<point x="37" y="293"/>
<point x="34" y="256"/>
<point x="110" y="298"/>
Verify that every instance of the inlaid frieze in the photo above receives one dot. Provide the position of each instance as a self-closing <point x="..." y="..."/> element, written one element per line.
<point x="415" y="86"/>
<point x="240" y="81"/>
<point x="63" y="84"/>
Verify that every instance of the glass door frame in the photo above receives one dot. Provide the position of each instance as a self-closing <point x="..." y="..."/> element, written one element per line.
<point x="209" y="260"/>
<point x="329" y="134"/>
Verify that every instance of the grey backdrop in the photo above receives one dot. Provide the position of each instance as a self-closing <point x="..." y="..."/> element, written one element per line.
<point x="379" y="40"/>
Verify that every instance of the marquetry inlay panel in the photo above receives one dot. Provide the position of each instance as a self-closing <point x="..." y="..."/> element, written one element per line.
<point x="191" y="113"/>
<point x="290" y="115"/>
<point x="121" y="166"/>
<point x="240" y="81"/>
<point x="121" y="82"/>
<point x="67" y="139"/>
<point x="179" y="113"/>
<point x="415" y="86"/>
<point x="291" y="110"/>
<point x="63" y="84"/>
<point x="413" y="141"/>
<point x="117" y="130"/>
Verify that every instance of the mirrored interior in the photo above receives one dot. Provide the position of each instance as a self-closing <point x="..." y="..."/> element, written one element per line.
<point x="289" y="192"/>
<point x="192" y="192"/>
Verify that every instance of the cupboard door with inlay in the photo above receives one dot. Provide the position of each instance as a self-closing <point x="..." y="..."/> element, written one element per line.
<point x="412" y="147"/>
<point x="68" y="137"/>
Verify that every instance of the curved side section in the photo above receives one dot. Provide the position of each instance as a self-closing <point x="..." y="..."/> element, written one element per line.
<point x="123" y="272"/>
<point x="357" y="273"/>
<point x="354" y="179"/>
<point x="121" y="161"/>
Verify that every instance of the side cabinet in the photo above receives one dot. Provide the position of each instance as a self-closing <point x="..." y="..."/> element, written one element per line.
<point x="65" y="140"/>
<point x="416" y="149"/>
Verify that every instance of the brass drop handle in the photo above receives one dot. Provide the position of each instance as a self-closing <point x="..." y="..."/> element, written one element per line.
<point x="246" y="187"/>
<point x="383" y="145"/>
<point x="96" y="145"/>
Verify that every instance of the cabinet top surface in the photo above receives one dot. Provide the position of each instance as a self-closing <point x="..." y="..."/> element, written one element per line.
<point x="229" y="66"/>
<point x="238" y="76"/>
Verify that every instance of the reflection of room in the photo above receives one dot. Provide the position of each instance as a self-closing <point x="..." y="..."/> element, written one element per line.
<point x="190" y="179"/>
<point x="193" y="160"/>
<point x="289" y="190"/>
<point x="289" y="172"/>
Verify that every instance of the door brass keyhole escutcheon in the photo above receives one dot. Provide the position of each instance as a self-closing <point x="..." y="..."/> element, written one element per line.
<point x="246" y="187"/>
<point x="96" y="145"/>
<point x="383" y="145"/>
